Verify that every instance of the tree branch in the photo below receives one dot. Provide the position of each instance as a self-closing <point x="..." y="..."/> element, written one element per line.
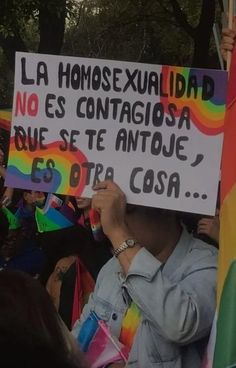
<point x="178" y="15"/>
<point x="51" y="26"/>
<point x="207" y="13"/>
<point x="182" y="19"/>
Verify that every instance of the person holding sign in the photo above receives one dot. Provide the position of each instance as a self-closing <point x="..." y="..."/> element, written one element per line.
<point x="150" y="295"/>
<point x="228" y="35"/>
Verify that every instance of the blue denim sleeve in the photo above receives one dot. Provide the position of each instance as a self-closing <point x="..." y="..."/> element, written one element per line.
<point x="181" y="311"/>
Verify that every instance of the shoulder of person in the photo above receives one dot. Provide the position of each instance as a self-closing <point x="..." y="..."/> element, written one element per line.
<point x="201" y="256"/>
<point x="202" y="247"/>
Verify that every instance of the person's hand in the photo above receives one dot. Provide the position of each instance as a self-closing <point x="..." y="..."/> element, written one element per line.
<point x="5" y="201"/>
<point x="210" y="227"/>
<point x="110" y="202"/>
<point x="228" y="41"/>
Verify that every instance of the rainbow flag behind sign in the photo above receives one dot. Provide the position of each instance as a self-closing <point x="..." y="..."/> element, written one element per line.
<point x="5" y="119"/>
<point x="221" y="352"/>
<point x="225" y="348"/>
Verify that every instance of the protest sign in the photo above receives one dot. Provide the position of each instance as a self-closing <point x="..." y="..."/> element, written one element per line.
<point x="155" y="130"/>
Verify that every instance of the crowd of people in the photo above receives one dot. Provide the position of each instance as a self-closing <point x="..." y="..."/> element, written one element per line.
<point x="139" y="292"/>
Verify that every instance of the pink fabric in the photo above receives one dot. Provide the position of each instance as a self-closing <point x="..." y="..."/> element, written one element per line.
<point x="105" y="349"/>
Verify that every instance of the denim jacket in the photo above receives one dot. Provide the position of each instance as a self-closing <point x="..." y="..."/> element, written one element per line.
<point x="177" y="302"/>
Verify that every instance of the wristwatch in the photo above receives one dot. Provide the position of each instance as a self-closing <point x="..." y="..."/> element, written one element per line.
<point x="128" y="243"/>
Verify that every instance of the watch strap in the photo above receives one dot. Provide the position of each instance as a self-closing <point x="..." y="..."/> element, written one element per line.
<point x="125" y="245"/>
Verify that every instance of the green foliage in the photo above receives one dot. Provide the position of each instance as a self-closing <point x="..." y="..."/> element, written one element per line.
<point x="14" y="15"/>
<point x="6" y="82"/>
<point x="132" y="30"/>
<point x="20" y="30"/>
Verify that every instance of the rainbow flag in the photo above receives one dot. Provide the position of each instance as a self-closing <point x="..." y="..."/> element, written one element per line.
<point x="96" y="226"/>
<point x="5" y="119"/>
<point x="51" y="220"/>
<point x="130" y="324"/>
<point x="225" y="348"/>
<point x="222" y="348"/>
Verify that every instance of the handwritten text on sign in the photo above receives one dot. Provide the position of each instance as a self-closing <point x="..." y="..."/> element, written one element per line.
<point x="155" y="130"/>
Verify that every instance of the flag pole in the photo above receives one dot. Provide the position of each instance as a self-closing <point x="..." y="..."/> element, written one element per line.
<point x="216" y="33"/>
<point x="230" y="25"/>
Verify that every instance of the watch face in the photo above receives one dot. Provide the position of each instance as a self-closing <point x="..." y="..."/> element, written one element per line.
<point x="131" y="242"/>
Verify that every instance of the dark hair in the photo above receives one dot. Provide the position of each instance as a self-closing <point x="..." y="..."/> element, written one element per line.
<point x="62" y="243"/>
<point x="73" y="240"/>
<point x="31" y="333"/>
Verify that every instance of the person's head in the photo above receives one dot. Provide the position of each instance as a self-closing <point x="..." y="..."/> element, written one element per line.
<point x="64" y="242"/>
<point x="30" y="329"/>
<point x="154" y="227"/>
<point x="83" y="203"/>
<point x="31" y="198"/>
<point x="72" y="241"/>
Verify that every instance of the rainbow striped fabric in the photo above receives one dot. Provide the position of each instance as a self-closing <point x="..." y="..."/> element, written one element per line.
<point x="221" y="352"/>
<point x="95" y="222"/>
<point x="226" y="323"/>
<point x="130" y="325"/>
<point x="5" y="119"/>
